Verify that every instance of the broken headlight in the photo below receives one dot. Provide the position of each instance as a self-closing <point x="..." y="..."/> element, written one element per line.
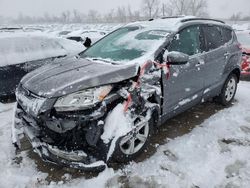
<point x="82" y="99"/>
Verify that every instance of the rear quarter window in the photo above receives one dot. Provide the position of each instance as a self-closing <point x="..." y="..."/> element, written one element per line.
<point x="227" y="35"/>
<point x="213" y="36"/>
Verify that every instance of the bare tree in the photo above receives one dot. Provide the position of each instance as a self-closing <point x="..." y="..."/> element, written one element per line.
<point x="180" y="7"/>
<point x="130" y="16"/>
<point x="150" y="8"/>
<point x="189" y="7"/>
<point x="76" y="16"/>
<point x="65" y="16"/>
<point x="46" y="18"/>
<point x="121" y="14"/>
<point x="236" y="17"/>
<point x="93" y="16"/>
<point x="198" y="7"/>
<point x="166" y="10"/>
<point x="137" y="15"/>
<point x="110" y="16"/>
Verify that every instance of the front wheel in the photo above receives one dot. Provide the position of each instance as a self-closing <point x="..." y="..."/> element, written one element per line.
<point x="134" y="143"/>
<point x="228" y="90"/>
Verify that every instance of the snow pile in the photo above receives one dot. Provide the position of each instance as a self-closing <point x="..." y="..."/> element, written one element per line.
<point x="116" y="125"/>
<point x="4" y="107"/>
<point x="14" y="174"/>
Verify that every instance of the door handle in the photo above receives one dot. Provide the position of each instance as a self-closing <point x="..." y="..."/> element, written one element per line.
<point x="198" y="64"/>
<point x="226" y="54"/>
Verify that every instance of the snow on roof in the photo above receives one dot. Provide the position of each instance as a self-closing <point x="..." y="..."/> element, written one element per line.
<point x="18" y="47"/>
<point x="170" y="23"/>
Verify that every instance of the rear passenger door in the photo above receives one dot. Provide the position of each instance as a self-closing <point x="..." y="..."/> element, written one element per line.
<point x="233" y="53"/>
<point x="216" y="55"/>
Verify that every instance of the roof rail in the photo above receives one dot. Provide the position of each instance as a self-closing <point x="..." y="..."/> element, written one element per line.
<point x="166" y="17"/>
<point x="208" y="19"/>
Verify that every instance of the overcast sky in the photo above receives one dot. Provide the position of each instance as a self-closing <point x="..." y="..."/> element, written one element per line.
<point x="11" y="8"/>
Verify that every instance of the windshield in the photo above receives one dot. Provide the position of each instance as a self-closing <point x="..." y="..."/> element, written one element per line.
<point x="127" y="44"/>
<point x="244" y="38"/>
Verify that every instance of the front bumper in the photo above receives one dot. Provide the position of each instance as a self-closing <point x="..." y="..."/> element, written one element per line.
<point x="24" y="125"/>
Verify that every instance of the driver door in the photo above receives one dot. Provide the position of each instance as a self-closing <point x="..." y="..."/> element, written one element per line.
<point x="184" y="87"/>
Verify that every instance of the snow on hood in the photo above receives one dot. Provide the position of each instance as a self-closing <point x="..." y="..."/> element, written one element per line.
<point x="18" y="48"/>
<point x="71" y="75"/>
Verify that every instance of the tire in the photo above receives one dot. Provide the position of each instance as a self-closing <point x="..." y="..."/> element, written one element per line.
<point x="134" y="143"/>
<point x="229" y="90"/>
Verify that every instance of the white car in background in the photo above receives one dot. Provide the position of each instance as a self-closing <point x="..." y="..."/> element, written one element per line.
<point x="22" y="52"/>
<point x="83" y="35"/>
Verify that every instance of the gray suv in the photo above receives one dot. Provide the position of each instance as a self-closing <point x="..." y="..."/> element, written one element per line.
<point x="103" y="105"/>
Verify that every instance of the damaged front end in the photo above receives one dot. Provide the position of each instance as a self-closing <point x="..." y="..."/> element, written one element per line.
<point x="69" y="138"/>
<point x="68" y="130"/>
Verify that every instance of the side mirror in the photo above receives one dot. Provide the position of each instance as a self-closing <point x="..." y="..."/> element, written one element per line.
<point x="176" y="58"/>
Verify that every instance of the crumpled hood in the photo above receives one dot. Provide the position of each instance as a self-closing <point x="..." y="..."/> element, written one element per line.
<point x="71" y="75"/>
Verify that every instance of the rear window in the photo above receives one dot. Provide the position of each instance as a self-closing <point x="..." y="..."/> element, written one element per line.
<point x="213" y="37"/>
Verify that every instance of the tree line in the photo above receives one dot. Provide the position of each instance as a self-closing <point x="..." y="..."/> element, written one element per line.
<point x="122" y="14"/>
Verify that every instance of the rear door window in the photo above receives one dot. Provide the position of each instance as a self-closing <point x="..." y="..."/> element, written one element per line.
<point x="187" y="41"/>
<point x="213" y="37"/>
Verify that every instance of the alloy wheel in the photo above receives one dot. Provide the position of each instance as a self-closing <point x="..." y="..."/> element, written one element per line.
<point x="135" y="140"/>
<point x="230" y="89"/>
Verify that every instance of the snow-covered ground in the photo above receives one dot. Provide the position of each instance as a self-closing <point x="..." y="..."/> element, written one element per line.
<point x="215" y="153"/>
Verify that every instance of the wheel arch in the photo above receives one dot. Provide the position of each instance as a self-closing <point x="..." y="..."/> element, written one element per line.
<point x="155" y="115"/>
<point x="236" y="71"/>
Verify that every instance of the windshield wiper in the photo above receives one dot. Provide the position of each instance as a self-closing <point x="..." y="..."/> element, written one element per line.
<point x="103" y="60"/>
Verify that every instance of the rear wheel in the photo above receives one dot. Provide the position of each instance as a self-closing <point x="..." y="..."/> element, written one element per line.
<point x="228" y="90"/>
<point x="135" y="142"/>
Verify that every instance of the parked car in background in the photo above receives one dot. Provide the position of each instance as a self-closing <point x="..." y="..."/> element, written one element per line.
<point x="83" y="35"/>
<point x="105" y="105"/>
<point x="11" y="29"/>
<point x="244" y="39"/>
<point x="63" y="33"/>
<point x="21" y="53"/>
<point x="86" y="41"/>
